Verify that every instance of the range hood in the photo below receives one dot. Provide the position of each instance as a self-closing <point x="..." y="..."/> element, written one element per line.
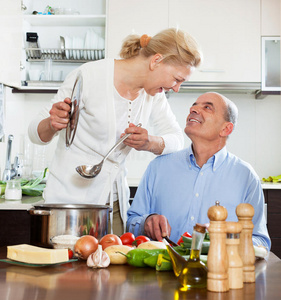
<point x="225" y="87"/>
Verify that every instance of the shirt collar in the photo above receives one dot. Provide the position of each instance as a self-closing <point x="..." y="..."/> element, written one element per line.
<point x="216" y="160"/>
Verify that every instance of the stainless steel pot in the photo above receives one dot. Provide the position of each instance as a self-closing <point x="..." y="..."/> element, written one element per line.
<point x="49" y="220"/>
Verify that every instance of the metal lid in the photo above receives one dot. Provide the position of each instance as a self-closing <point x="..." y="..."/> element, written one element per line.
<point x="74" y="112"/>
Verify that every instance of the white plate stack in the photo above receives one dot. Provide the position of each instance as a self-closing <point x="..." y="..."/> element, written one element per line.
<point x="89" y="48"/>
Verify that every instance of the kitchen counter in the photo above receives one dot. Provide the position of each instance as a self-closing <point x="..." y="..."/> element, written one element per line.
<point x="77" y="281"/>
<point x="26" y="203"/>
<point x="271" y="185"/>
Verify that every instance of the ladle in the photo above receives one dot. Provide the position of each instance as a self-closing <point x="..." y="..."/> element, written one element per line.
<point x="90" y="171"/>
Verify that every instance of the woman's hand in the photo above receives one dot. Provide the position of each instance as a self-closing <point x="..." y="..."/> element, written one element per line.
<point x="59" y="118"/>
<point x="59" y="114"/>
<point x="140" y="140"/>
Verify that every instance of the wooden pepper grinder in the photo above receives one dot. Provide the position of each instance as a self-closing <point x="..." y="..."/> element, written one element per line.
<point x="217" y="278"/>
<point x="235" y="264"/>
<point x="245" y="213"/>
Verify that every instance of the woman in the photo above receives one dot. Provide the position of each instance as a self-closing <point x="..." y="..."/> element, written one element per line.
<point x="117" y="95"/>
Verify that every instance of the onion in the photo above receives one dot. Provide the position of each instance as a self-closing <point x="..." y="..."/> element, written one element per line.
<point x="110" y="240"/>
<point x="86" y="245"/>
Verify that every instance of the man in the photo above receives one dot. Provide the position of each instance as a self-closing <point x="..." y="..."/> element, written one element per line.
<point x="177" y="189"/>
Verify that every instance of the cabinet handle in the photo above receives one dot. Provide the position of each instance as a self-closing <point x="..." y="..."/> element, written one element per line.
<point x="23" y="7"/>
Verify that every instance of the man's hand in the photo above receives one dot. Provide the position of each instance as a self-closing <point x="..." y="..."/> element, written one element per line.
<point x="157" y="227"/>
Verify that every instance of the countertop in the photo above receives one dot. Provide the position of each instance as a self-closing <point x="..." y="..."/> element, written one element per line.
<point x="24" y="204"/>
<point x="271" y="185"/>
<point x="123" y="282"/>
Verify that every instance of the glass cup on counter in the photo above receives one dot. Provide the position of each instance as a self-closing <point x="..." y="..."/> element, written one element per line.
<point x="13" y="191"/>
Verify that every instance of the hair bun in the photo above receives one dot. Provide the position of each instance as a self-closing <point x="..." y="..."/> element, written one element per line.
<point x="144" y="40"/>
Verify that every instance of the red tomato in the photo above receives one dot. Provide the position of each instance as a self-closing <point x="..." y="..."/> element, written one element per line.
<point x="187" y="234"/>
<point x="140" y="239"/>
<point x="127" y="238"/>
<point x="70" y="253"/>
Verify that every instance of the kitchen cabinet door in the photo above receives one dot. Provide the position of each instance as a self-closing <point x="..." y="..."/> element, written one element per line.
<point x="72" y="19"/>
<point x="229" y="35"/>
<point x="140" y="17"/>
<point x="11" y="42"/>
<point x="270" y="17"/>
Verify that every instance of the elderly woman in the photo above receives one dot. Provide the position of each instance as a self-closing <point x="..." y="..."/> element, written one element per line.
<point x="117" y="95"/>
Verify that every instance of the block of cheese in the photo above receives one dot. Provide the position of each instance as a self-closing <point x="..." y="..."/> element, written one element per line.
<point x="36" y="255"/>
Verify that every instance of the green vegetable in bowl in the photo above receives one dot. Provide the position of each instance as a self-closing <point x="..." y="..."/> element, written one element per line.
<point x="32" y="187"/>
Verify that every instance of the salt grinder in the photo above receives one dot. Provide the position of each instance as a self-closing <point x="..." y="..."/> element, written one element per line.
<point x="235" y="267"/>
<point x="217" y="278"/>
<point x="245" y="213"/>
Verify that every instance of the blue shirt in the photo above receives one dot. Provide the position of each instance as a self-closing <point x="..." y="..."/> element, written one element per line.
<point x="176" y="187"/>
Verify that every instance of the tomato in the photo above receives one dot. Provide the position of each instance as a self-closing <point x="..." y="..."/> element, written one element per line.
<point x="127" y="238"/>
<point x="187" y="234"/>
<point x="110" y="240"/>
<point x="70" y="253"/>
<point x="140" y="239"/>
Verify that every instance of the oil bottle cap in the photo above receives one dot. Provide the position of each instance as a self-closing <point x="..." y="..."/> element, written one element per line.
<point x="200" y="228"/>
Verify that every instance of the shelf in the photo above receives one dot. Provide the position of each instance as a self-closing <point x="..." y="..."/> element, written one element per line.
<point x="66" y="20"/>
<point x="35" y="90"/>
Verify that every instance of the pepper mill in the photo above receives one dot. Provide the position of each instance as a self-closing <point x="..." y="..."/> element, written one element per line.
<point x="217" y="278"/>
<point x="235" y="264"/>
<point x="245" y="213"/>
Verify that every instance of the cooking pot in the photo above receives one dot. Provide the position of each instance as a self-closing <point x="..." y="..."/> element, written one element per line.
<point x="50" y="220"/>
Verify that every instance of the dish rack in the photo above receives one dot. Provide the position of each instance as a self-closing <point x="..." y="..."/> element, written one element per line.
<point x="64" y="55"/>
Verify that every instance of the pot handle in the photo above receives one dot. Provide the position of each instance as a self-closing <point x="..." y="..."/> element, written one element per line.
<point x="36" y="212"/>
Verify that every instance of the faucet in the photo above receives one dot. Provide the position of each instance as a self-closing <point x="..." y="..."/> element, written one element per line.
<point x="11" y="170"/>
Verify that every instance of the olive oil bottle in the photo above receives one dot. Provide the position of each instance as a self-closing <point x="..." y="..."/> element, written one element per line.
<point x="192" y="273"/>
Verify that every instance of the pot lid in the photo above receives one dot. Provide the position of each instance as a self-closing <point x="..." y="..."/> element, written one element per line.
<point x="74" y="112"/>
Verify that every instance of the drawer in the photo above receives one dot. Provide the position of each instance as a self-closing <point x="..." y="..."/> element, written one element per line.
<point x="274" y="201"/>
<point x="276" y="247"/>
<point x="273" y="225"/>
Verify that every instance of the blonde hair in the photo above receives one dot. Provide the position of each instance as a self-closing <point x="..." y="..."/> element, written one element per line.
<point x="176" y="47"/>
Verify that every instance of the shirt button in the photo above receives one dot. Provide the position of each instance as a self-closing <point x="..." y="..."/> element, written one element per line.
<point x="214" y="169"/>
<point x="116" y="166"/>
<point x="197" y="195"/>
<point x="201" y="173"/>
<point x="192" y="218"/>
<point x="189" y="166"/>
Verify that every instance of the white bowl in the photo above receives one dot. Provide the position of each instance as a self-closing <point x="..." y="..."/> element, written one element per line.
<point x="64" y="241"/>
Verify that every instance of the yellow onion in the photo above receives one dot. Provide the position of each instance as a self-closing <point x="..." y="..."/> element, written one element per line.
<point x="85" y="246"/>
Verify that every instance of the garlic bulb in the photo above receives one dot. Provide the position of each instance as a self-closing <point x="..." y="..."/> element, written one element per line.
<point x="98" y="259"/>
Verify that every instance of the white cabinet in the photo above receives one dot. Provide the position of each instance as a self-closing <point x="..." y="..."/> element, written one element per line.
<point x="228" y="32"/>
<point x="11" y="42"/>
<point x="134" y="17"/>
<point x="229" y="35"/>
<point x="72" y="20"/>
<point x="270" y="17"/>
